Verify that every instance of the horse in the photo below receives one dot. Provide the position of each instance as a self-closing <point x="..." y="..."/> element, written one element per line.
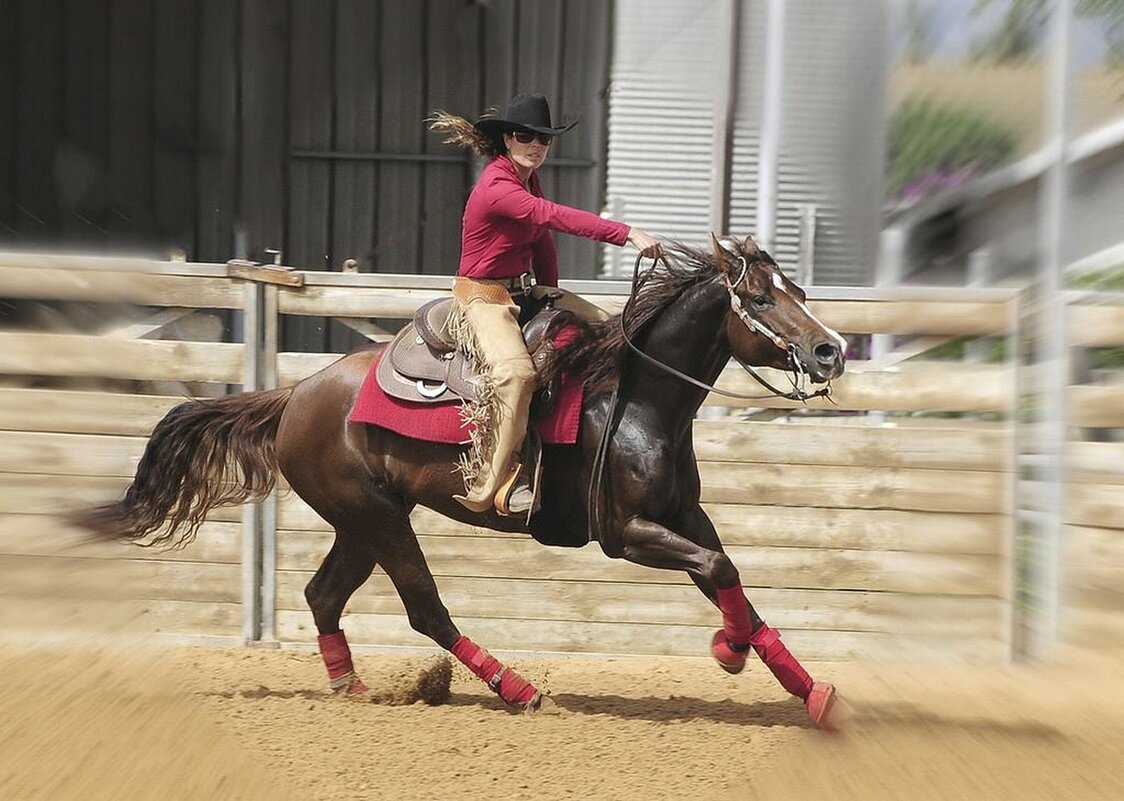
<point x="630" y="482"/>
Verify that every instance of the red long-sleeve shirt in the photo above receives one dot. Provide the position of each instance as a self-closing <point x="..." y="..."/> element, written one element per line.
<point x="506" y="227"/>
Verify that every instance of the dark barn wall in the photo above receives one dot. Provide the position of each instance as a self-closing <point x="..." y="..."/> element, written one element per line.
<point x="223" y="127"/>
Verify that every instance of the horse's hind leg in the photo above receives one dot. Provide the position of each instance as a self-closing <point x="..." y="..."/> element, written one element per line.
<point x="405" y="564"/>
<point x="348" y="564"/>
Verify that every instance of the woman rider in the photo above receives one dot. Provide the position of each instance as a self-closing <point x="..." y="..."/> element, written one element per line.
<point x="506" y="246"/>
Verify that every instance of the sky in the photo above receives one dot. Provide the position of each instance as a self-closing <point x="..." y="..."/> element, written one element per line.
<point x="954" y="29"/>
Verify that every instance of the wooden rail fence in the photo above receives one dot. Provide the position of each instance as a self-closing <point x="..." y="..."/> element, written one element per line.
<point x="893" y="540"/>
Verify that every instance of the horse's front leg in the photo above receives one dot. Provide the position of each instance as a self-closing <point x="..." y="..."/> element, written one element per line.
<point x="700" y="555"/>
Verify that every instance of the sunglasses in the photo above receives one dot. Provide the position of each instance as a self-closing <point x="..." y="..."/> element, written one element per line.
<point x="524" y="138"/>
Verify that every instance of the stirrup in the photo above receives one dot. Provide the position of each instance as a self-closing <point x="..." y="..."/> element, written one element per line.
<point x="515" y="495"/>
<point x="525" y="480"/>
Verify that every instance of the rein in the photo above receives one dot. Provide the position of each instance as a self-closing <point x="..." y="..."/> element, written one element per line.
<point x="752" y="323"/>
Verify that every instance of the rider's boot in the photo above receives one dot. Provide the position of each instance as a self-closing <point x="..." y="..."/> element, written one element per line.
<point x="513" y="382"/>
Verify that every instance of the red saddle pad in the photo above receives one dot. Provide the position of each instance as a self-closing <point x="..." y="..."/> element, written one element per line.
<point x="441" y="422"/>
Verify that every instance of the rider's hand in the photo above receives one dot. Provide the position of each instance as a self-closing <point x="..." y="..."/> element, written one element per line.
<point x="647" y="244"/>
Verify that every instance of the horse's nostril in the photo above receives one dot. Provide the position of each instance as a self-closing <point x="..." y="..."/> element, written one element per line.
<point x="826" y="353"/>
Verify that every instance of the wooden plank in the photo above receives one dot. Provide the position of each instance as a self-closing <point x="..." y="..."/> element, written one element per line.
<point x="962" y="447"/>
<point x="587" y="32"/>
<point x="1095" y="462"/>
<point x="9" y="103"/>
<point x="956" y="388"/>
<point x="951" y="387"/>
<point x="121" y="287"/>
<point x="1096" y="406"/>
<point x="278" y="275"/>
<point x="636" y="639"/>
<point x="780" y="526"/>
<point x="175" y="73"/>
<point x="312" y="102"/>
<point x="69" y="454"/>
<point x="40" y="494"/>
<point x="40" y="91"/>
<point x="1090" y="545"/>
<point x="263" y="52"/>
<point x="604" y="602"/>
<point x="74" y="355"/>
<point x="355" y="184"/>
<point x="217" y="129"/>
<point x="82" y="412"/>
<point x="453" y="84"/>
<point x="1096" y="326"/>
<point x="498" y="62"/>
<point x="79" y="161"/>
<point x="46" y="535"/>
<point x="120" y="264"/>
<point x="1099" y="505"/>
<point x="138" y="580"/>
<point x="951" y="318"/>
<point x="811" y="568"/>
<point x="295" y="367"/>
<point x="401" y="130"/>
<point x="858" y="529"/>
<point x="358" y="90"/>
<point x="1090" y="628"/>
<point x="855" y="487"/>
<point x="131" y="619"/>
<point x="357" y="302"/>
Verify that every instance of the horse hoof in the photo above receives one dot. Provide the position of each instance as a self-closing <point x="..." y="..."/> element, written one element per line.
<point x="354" y="689"/>
<point x="541" y="704"/>
<point x="727" y="658"/>
<point x="826" y="709"/>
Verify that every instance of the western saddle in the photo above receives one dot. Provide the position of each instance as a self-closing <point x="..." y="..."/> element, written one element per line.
<point x="423" y="365"/>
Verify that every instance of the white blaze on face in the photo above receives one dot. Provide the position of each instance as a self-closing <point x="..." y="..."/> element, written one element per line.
<point x="779" y="283"/>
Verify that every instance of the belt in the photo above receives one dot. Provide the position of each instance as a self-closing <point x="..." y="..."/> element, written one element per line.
<point x="520" y="284"/>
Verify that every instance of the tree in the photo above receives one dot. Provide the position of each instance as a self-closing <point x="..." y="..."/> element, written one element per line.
<point x="1024" y="23"/>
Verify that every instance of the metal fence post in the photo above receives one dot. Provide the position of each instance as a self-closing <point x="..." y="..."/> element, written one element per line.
<point x="268" y="507"/>
<point x="1051" y="351"/>
<point x="251" y="513"/>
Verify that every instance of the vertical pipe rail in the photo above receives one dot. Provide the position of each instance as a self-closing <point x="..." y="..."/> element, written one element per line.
<point x="725" y="102"/>
<point x="1051" y="329"/>
<point x="268" y="507"/>
<point x="771" y="126"/>
<point x="251" y="513"/>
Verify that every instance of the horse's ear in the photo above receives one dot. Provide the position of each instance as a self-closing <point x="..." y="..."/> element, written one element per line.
<point x="751" y="247"/>
<point x="722" y="257"/>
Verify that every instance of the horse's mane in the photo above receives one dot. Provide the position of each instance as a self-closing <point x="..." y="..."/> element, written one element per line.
<point x="598" y="351"/>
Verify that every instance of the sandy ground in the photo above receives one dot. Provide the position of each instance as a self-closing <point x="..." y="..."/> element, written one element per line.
<point x="92" y="722"/>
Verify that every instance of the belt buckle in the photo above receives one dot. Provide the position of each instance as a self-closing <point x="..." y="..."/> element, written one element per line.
<point x="526" y="281"/>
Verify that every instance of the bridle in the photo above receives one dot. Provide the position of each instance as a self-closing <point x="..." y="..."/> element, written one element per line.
<point x="797" y="378"/>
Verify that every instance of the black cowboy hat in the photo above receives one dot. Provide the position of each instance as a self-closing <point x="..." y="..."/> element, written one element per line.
<point x="525" y="112"/>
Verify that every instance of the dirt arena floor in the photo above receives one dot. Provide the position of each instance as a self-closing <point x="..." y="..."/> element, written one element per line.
<point x="94" y="722"/>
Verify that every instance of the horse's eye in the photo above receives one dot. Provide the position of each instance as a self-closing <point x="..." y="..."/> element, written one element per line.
<point x="760" y="300"/>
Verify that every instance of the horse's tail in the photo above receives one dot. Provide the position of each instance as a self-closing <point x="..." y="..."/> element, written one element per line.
<point x="203" y="454"/>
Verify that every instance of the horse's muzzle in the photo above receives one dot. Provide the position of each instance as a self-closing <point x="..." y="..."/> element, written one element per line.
<point x="826" y="362"/>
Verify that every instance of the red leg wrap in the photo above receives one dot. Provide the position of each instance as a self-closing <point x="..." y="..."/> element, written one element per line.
<point x="735" y="614"/>
<point x="767" y="643"/>
<point x="337" y="658"/>
<point x="509" y="685"/>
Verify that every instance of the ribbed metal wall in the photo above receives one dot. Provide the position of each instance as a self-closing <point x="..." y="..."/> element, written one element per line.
<point x="670" y="66"/>
<point x="832" y="141"/>
<point x="661" y="120"/>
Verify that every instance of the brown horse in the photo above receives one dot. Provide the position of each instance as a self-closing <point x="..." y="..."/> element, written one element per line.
<point x="688" y="316"/>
